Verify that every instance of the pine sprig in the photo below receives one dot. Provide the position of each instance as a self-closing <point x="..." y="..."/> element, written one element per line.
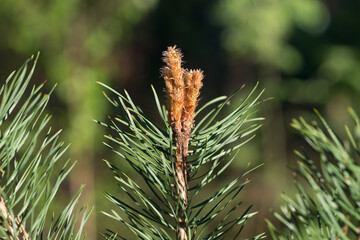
<point x="155" y="206"/>
<point x="30" y="153"/>
<point x="327" y="206"/>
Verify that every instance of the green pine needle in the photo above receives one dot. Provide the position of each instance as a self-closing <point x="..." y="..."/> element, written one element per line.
<point x="31" y="154"/>
<point x="151" y="208"/>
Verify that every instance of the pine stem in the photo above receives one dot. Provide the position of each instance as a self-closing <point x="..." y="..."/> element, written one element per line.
<point x="345" y="228"/>
<point x="182" y="142"/>
<point x="8" y="223"/>
<point x="182" y="88"/>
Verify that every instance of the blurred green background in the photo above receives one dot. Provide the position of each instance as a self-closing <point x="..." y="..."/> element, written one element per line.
<point x="306" y="53"/>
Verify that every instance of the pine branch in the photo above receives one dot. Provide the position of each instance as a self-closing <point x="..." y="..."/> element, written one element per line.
<point x="182" y="92"/>
<point x="175" y="162"/>
<point x="31" y="165"/>
<point x="326" y="206"/>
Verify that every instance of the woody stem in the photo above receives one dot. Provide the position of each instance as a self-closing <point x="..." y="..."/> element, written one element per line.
<point x="8" y="223"/>
<point x="182" y="142"/>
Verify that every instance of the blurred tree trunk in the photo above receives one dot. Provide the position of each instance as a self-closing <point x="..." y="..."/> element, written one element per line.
<point x="81" y="132"/>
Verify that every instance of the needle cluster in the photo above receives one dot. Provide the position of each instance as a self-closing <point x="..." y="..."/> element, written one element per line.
<point x="172" y="196"/>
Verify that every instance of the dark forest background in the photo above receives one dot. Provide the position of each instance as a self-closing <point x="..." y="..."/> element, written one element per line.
<point x="306" y="53"/>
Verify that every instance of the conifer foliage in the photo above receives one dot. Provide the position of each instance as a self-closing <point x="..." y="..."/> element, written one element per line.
<point x="32" y="167"/>
<point x="328" y="200"/>
<point x="168" y="194"/>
